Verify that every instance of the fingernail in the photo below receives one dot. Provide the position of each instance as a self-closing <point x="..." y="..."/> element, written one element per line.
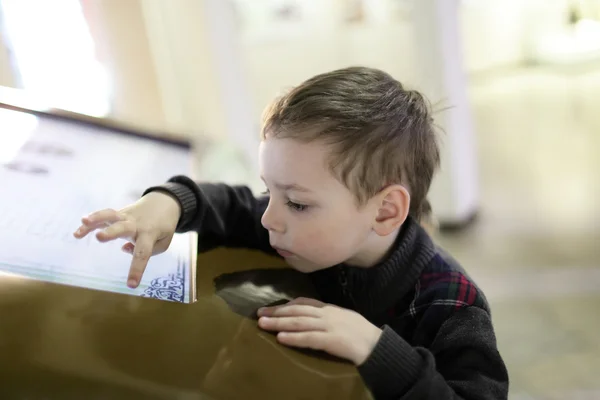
<point x="132" y="283"/>
<point x="260" y="311"/>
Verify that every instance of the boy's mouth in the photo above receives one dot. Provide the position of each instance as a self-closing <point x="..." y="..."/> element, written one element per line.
<point x="283" y="253"/>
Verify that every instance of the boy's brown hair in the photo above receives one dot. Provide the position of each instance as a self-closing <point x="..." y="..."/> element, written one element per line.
<point x="380" y="133"/>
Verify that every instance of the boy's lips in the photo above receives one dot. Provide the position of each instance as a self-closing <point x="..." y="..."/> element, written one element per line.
<point x="283" y="253"/>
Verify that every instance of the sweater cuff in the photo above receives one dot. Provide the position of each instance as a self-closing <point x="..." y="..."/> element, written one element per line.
<point x="392" y="366"/>
<point x="184" y="196"/>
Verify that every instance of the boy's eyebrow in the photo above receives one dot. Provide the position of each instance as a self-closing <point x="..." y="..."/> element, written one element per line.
<point x="292" y="186"/>
<point x="289" y="186"/>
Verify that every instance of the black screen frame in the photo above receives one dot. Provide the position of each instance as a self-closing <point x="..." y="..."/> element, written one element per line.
<point x="104" y="124"/>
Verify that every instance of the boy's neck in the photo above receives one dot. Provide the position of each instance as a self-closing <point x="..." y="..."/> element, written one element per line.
<point x="375" y="250"/>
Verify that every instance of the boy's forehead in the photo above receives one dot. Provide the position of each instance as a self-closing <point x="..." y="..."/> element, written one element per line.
<point x="291" y="160"/>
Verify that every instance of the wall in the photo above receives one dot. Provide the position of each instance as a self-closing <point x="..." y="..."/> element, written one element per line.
<point x="212" y="93"/>
<point x="495" y="35"/>
<point x="119" y="30"/>
<point x="160" y="53"/>
<point x="187" y="72"/>
<point x="276" y="65"/>
<point x="168" y="69"/>
<point x="492" y="33"/>
<point x="6" y="75"/>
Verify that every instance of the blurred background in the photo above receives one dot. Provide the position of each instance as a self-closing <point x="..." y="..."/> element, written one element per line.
<point x="516" y="83"/>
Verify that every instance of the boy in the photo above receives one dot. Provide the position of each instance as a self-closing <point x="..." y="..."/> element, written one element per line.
<point x="347" y="158"/>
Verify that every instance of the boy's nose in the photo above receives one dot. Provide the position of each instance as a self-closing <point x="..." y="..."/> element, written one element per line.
<point x="271" y="222"/>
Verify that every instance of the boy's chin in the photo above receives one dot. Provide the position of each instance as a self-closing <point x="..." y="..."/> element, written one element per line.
<point x="303" y="265"/>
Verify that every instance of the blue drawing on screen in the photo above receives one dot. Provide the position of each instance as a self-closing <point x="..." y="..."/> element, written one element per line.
<point x="170" y="287"/>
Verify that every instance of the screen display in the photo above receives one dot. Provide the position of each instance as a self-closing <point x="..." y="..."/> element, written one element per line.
<point x="53" y="172"/>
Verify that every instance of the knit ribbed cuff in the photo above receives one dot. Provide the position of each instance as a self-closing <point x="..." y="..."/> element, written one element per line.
<point x="392" y="366"/>
<point x="184" y="196"/>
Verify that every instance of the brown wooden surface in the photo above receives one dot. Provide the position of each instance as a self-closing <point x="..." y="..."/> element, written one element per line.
<point x="62" y="342"/>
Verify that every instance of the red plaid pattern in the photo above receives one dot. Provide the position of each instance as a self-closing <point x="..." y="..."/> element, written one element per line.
<point x="446" y="285"/>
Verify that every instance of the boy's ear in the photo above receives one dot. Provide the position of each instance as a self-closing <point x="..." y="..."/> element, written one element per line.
<point x="393" y="205"/>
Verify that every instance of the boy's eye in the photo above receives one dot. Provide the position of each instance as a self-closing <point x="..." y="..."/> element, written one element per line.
<point x="266" y="192"/>
<point x="296" y="206"/>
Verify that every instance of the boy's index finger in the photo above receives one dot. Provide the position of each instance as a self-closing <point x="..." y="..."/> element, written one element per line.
<point x="144" y="245"/>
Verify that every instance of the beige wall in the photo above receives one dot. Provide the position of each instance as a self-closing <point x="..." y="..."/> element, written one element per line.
<point x="6" y="74"/>
<point x="493" y="37"/>
<point x="187" y="77"/>
<point x="162" y="58"/>
<point x="119" y="31"/>
<point x="189" y="80"/>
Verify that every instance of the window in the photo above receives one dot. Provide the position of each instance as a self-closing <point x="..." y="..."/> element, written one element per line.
<point x="54" y="54"/>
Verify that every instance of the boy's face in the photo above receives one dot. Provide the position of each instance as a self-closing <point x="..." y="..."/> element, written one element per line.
<point x="312" y="218"/>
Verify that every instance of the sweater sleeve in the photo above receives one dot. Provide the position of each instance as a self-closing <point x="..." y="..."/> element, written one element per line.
<point x="462" y="363"/>
<point x="222" y="215"/>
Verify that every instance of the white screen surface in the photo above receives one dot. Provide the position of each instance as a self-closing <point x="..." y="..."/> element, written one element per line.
<point x="52" y="173"/>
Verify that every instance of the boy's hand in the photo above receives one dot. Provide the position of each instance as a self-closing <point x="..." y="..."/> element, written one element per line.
<point x="312" y="324"/>
<point x="149" y="225"/>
